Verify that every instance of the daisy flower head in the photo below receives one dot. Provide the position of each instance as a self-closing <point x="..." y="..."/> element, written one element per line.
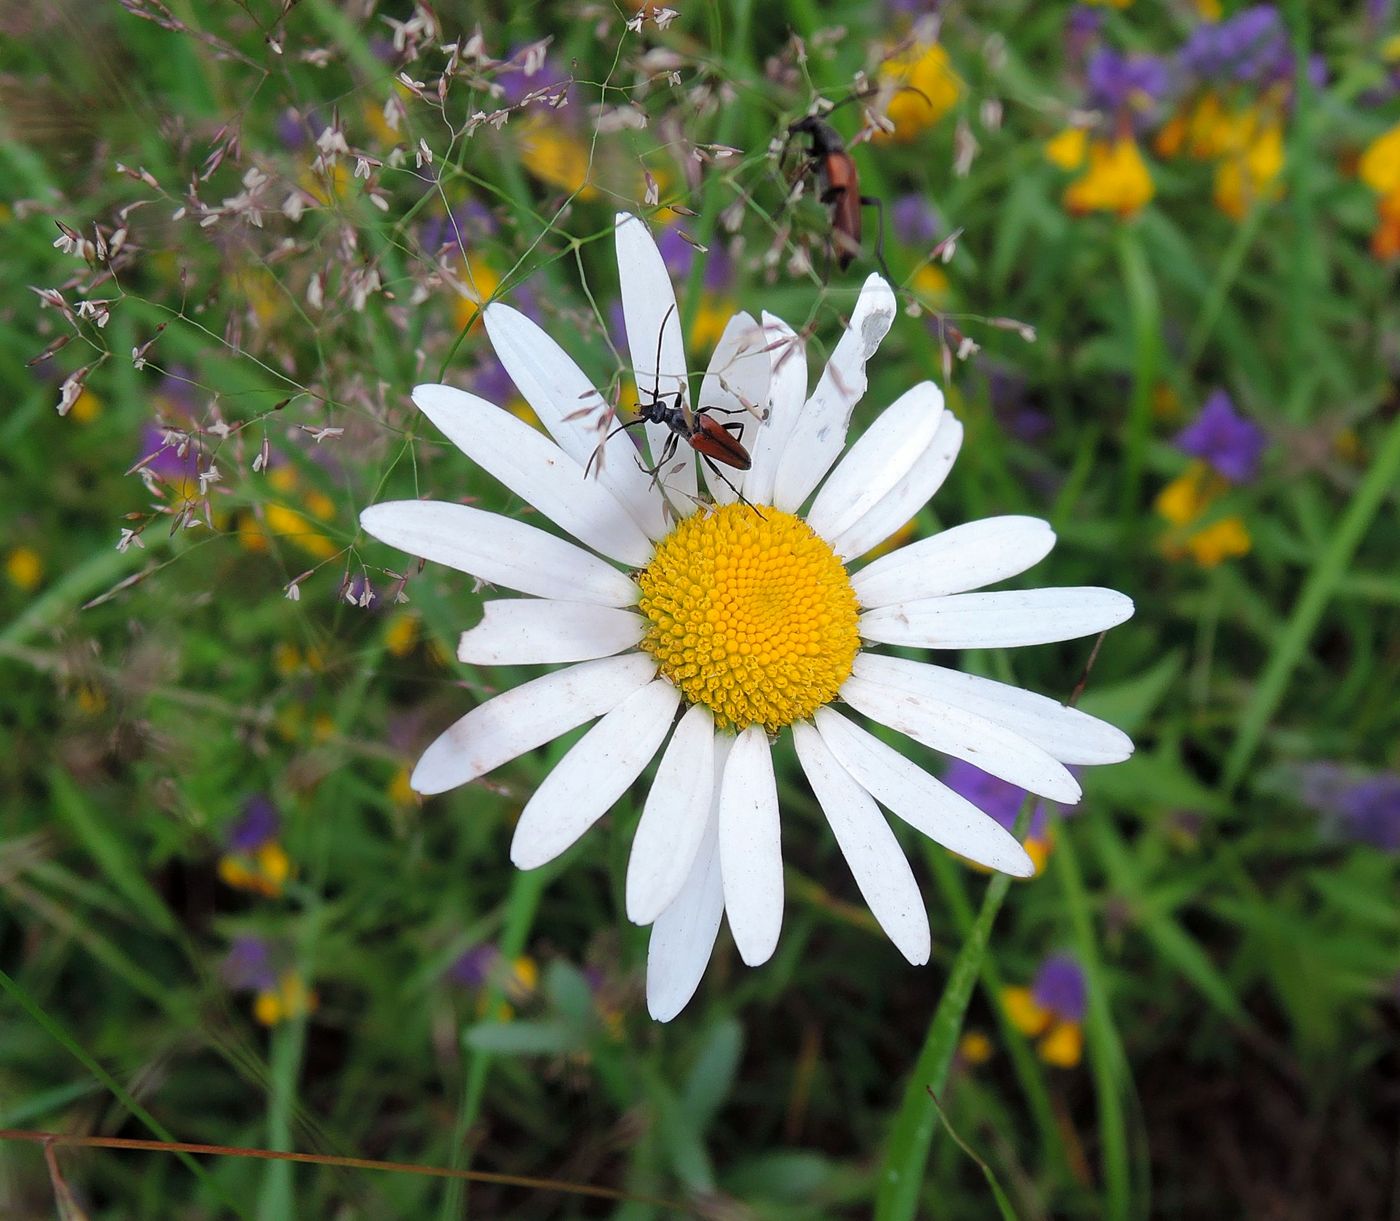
<point x="701" y="627"/>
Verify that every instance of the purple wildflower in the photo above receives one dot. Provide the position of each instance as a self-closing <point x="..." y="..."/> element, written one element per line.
<point x="1060" y="987"/>
<point x="676" y="252"/>
<point x="249" y="965"/>
<point x="1082" y="28"/>
<point x="617" y="325"/>
<point x="1230" y="442"/>
<point x="1364" y="809"/>
<point x="525" y="298"/>
<point x="1126" y="84"/>
<point x="1250" y="48"/>
<point x="914" y="220"/>
<point x="1370" y="812"/>
<point x="296" y="130"/>
<point x="1008" y="393"/>
<point x="473" y="968"/>
<point x="174" y="395"/>
<point x="489" y="380"/>
<point x="258" y="825"/>
<point x="517" y="85"/>
<point x="165" y="459"/>
<point x="354" y="590"/>
<point x="469" y="222"/>
<point x="719" y="269"/>
<point x="914" y="8"/>
<point x="997" y="798"/>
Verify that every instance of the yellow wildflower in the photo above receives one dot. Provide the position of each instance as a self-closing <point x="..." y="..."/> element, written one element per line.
<point x="400" y="791"/>
<point x="1061" y="1040"/>
<point x="1251" y="175"/>
<point x="1183" y="503"/>
<point x="263" y="871"/>
<point x="479" y="283"/>
<point x="25" y="568"/>
<point x="975" y="1048"/>
<point x="930" y="284"/>
<point x="1379" y="167"/>
<point x="286" y="659"/>
<point x="92" y="700"/>
<point x="555" y="156"/>
<point x="1068" y="149"/>
<point x="933" y="88"/>
<point x="289" y="1000"/>
<point x="401" y="634"/>
<point x="86" y="407"/>
<point x="709" y="323"/>
<point x="1117" y="180"/>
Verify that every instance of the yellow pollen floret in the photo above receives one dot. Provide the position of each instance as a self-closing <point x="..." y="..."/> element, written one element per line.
<point x="752" y="616"/>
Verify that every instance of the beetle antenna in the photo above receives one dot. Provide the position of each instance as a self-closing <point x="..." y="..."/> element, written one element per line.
<point x="656" y="368"/>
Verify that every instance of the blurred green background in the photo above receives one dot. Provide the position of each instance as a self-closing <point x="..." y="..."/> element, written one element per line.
<point x="1149" y="249"/>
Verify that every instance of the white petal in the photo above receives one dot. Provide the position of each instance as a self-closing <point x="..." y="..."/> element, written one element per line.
<point x="878" y="863"/>
<point x="526" y="717"/>
<point x="964" y="735"/>
<point x="654" y="327"/>
<point x="1069" y="735"/>
<point x="927" y="805"/>
<point x="750" y="851"/>
<point x="735" y="389"/>
<point x="965" y="557"/>
<point x="683" y="937"/>
<point x="673" y="821"/>
<point x="879" y="461"/>
<point x="1003" y="619"/>
<point x="537" y="471"/>
<point x="598" y="769"/>
<point x="499" y="550"/>
<point x="787" y="355"/>
<point x="529" y="632"/>
<point x="573" y="412"/>
<point x="821" y="429"/>
<point x="908" y="496"/>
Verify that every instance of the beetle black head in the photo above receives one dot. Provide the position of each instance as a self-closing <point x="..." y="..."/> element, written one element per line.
<point x="825" y="138"/>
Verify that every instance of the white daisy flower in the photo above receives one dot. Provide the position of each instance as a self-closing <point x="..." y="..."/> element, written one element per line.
<point x="700" y="630"/>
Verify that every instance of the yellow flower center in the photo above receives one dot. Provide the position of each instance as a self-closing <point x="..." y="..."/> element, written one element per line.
<point x="752" y="616"/>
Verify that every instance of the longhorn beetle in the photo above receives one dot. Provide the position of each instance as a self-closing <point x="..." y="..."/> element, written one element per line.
<point x="840" y="186"/>
<point x="713" y="441"/>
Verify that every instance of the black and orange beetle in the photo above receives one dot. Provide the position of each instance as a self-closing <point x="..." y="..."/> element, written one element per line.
<point x="713" y="441"/>
<point x="840" y="190"/>
<point x="835" y="168"/>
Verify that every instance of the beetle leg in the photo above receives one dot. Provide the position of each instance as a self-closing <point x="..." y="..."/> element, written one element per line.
<point x="725" y="480"/>
<point x="872" y="201"/>
<point x="668" y="451"/>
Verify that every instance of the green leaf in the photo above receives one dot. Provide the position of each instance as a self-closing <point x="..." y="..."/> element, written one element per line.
<point x="99" y="838"/>
<point x="712" y="1076"/>
<point x="542" y="1038"/>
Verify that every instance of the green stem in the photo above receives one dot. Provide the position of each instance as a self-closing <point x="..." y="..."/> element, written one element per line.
<point x="901" y="1176"/>
<point x="1107" y="1063"/>
<point x="522" y="904"/>
<point x="1146" y="322"/>
<point x="1332" y="564"/>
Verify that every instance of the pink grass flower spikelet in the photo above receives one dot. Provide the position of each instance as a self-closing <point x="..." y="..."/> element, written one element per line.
<point x="699" y="627"/>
